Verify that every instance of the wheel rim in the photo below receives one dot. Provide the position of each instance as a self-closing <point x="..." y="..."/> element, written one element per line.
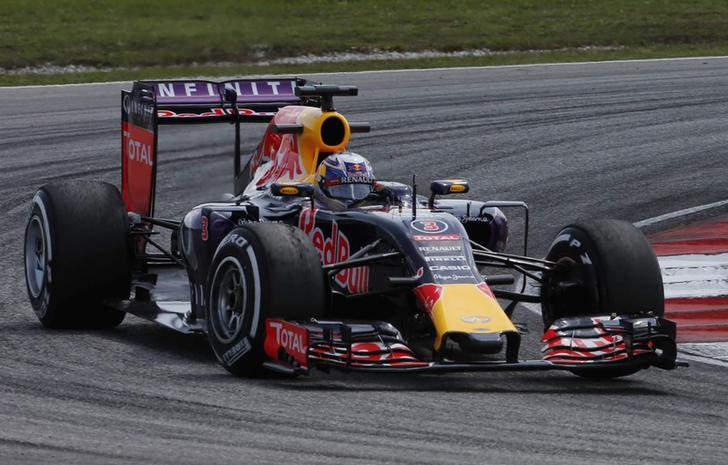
<point x="35" y="257"/>
<point x="228" y="300"/>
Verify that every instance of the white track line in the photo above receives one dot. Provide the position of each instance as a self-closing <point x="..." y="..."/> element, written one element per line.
<point x="713" y="350"/>
<point x="679" y="213"/>
<point x="412" y="70"/>
<point x="694" y="275"/>
<point x="702" y="359"/>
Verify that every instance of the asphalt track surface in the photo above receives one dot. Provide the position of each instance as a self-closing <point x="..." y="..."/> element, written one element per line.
<point x="624" y="140"/>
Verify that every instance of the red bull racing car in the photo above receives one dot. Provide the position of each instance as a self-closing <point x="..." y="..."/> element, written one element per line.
<point x="312" y="262"/>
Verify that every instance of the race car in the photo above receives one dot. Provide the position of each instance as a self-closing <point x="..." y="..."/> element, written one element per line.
<point x="314" y="262"/>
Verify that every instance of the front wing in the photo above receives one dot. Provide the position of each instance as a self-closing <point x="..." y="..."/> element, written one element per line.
<point x="582" y="343"/>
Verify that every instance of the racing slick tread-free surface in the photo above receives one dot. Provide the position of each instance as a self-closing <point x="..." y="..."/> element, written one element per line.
<point x="291" y="286"/>
<point x="88" y="227"/>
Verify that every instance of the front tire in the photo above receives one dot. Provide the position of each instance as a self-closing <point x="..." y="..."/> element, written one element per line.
<point x="260" y="271"/>
<point x="76" y="255"/>
<point x="603" y="267"/>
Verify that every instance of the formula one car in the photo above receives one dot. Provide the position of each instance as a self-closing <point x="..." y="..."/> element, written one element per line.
<point x="313" y="263"/>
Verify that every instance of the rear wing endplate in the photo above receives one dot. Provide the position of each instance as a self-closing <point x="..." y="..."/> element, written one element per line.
<point x="138" y="150"/>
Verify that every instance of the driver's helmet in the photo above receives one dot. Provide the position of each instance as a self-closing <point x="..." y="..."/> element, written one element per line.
<point x="346" y="177"/>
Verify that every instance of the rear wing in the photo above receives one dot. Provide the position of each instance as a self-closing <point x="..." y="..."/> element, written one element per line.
<point x="153" y="103"/>
<point x="195" y="101"/>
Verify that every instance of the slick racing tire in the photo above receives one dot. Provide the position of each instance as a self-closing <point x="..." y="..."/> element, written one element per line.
<point x="260" y="271"/>
<point x="603" y="267"/>
<point x="76" y="255"/>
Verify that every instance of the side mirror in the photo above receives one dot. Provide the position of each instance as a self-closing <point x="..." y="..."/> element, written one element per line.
<point x="292" y="189"/>
<point x="447" y="187"/>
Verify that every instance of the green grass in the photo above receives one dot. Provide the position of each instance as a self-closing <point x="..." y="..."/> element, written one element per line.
<point x="173" y="38"/>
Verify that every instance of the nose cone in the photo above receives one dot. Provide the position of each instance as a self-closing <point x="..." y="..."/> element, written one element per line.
<point x="468" y="312"/>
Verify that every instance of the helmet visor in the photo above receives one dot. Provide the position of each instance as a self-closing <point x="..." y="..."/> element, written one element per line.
<point x="350" y="191"/>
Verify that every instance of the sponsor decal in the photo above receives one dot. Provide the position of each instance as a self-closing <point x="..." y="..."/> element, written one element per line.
<point x="213" y="113"/>
<point x="453" y="277"/>
<point x="289" y="190"/>
<point x="234" y="353"/>
<point x="262" y="88"/>
<point x="334" y="248"/>
<point x="476" y="219"/>
<point x="138" y="143"/>
<point x="187" y="89"/>
<point x="236" y="239"/>
<point x="286" y="164"/>
<point x="440" y="248"/>
<point x="450" y="267"/>
<point x="137" y="167"/>
<point x="428" y="295"/>
<point x="203" y="228"/>
<point x="279" y="150"/>
<point x="201" y="91"/>
<point x="429" y="226"/>
<point x="474" y="319"/>
<point x="354" y="173"/>
<point x="354" y="167"/>
<point x="575" y="243"/>
<point x="351" y="180"/>
<point x="137" y="112"/>
<point x="266" y="151"/>
<point x="445" y="258"/>
<point x="293" y="339"/>
<point x="436" y="237"/>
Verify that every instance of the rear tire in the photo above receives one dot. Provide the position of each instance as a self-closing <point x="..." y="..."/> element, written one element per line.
<point x="76" y="255"/>
<point x="604" y="267"/>
<point x="260" y="271"/>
